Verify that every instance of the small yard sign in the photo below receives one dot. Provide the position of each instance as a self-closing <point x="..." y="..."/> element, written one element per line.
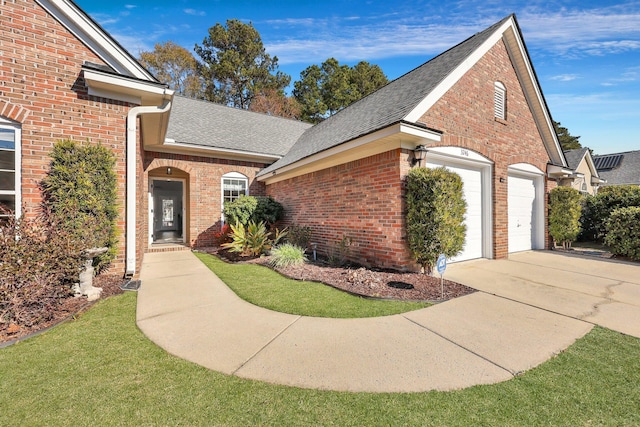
<point x="441" y="266"/>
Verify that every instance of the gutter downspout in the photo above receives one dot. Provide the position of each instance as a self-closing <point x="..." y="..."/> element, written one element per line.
<point x="132" y="125"/>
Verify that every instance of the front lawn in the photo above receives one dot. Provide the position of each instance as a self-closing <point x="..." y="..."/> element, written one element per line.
<point x="264" y="287"/>
<point x="100" y="370"/>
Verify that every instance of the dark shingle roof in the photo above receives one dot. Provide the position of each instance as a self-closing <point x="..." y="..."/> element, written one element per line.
<point x="574" y="157"/>
<point x="627" y="170"/>
<point x="387" y="106"/>
<point x="202" y="123"/>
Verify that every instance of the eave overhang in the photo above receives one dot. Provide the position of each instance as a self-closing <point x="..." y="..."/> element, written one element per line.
<point x="171" y="146"/>
<point x="399" y="135"/>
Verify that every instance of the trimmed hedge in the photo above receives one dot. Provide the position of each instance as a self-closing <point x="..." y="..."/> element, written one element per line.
<point x="80" y="195"/>
<point x="564" y="215"/>
<point x="435" y="215"/>
<point x="598" y="208"/>
<point x="623" y="232"/>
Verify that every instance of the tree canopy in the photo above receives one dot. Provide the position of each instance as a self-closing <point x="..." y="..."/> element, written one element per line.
<point x="325" y="89"/>
<point x="175" y="66"/>
<point x="567" y="141"/>
<point x="235" y="65"/>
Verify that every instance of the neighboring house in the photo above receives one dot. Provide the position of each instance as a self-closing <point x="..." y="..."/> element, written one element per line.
<point x="477" y="109"/>
<point x="585" y="176"/>
<point x="619" y="168"/>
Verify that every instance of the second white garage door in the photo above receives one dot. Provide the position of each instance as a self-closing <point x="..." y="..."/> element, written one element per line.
<point x="522" y="213"/>
<point x="472" y="188"/>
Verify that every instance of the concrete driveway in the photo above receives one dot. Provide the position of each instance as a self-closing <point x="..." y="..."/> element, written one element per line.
<point x="595" y="290"/>
<point x="530" y="308"/>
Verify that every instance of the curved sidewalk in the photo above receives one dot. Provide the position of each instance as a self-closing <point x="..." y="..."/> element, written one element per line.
<point x="477" y="339"/>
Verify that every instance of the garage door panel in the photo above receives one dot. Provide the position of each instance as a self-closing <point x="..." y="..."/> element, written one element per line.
<point x="472" y="193"/>
<point x="522" y="210"/>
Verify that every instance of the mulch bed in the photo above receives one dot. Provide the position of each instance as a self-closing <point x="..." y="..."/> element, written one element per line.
<point x="68" y="308"/>
<point x="356" y="280"/>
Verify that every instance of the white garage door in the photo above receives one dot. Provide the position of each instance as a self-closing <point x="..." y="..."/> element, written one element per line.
<point x="522" y="221"/>
<point x="472" y="189"/>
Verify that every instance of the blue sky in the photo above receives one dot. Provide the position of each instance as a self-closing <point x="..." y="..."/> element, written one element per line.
<point x="586" y="53"/>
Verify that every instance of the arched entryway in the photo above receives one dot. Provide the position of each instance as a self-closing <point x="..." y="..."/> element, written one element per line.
<point x="168" y="206"/>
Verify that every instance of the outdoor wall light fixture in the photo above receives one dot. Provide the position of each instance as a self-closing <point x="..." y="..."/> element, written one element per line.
<point x="502" y="179"/>
<point x="419" y="154"/>
<point x="168" y="171"/>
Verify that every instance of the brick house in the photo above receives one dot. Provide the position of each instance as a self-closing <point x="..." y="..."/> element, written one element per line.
<point x="477" y="109"/>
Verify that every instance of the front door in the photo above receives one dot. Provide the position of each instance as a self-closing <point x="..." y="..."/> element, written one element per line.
<point x="167" y="211"/>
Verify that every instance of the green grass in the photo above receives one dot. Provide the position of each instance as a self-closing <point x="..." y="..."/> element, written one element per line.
<point x="264" y="287"/>
<point x="100" y="370"/>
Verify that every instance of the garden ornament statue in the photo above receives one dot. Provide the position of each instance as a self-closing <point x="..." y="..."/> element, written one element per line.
<point x="85" y="287"/>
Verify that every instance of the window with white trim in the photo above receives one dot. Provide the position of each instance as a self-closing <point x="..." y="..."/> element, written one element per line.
<point x="9" y="169"/>
<point x="500" y="101"/>
<point x="234" y="185"/>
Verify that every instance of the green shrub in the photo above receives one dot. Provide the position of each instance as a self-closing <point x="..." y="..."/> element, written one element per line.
<point x="623" y="232"/>
<point x="80" y="193"/>
<point x="252" y="240"/>
<point x="253" y="208"/>
<point x="39" y="261"/>
<point x="287" y="254"/>
<point x="565" y="206"/>
<point x="338" y="252"/>
<point x="598" y="208"/>
<point x="435" y="215"/>
<point x="299" y="235"/>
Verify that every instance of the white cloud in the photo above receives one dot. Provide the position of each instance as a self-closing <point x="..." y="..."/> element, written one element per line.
<point x="130" y="6"/>
<point x="565" y="77"/>
<point x="194" y="12"/>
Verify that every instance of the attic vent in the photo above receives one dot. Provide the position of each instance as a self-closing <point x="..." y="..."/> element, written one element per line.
<point x="608" y="162"/>
<point x="500" y="101"/>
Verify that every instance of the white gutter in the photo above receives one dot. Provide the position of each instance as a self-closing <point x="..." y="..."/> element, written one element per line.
<point x="132" y="124"/>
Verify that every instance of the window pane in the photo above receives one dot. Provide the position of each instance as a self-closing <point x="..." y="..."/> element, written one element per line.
<point x="7" y="181"/>
<point x="7" y="160"/>
<point x="7" y="138"/>
<point x="7" y="202"/>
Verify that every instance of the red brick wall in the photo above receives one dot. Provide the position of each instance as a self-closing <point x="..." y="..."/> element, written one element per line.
<point x="203" y="178"/>
<point x="361" y="200"/>
<point x="42" y="88"/>
<point x="465" y="115"/>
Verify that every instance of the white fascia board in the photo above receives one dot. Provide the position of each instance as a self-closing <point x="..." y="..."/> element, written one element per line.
<point x="95" y="38"/>
<point x="456" y="75"/>
<point x="555" y="172"/>
<point x="122" y="89"/>
<point x="416" y="132"/>
<point x="216" y="151"/>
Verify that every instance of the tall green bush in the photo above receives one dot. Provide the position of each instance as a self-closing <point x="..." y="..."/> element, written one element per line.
<point x="80" y="193"/>
<point x="435" y="214"/>
<point x="623" y="232"/>
<point x="565" y="206"/>
<point x="253" y="208"/>
<point x="598" y="208"/>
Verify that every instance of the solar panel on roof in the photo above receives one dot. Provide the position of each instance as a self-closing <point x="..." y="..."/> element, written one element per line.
<point x="608" y="162"/>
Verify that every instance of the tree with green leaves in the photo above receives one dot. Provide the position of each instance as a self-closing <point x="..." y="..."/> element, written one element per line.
<point x="435" y="215"/>
<point x="235" y="65"/>
<point x="175" y="66"/>
<point x="567" y="141"/>
<point x="325" y="89"/>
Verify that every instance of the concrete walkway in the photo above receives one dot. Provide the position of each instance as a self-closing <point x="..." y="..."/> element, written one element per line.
<point x="529" y="309"/>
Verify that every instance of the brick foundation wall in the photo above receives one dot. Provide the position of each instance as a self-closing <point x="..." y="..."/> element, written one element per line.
<point x="203" y="186"/>
<point x="43" y="90"/>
